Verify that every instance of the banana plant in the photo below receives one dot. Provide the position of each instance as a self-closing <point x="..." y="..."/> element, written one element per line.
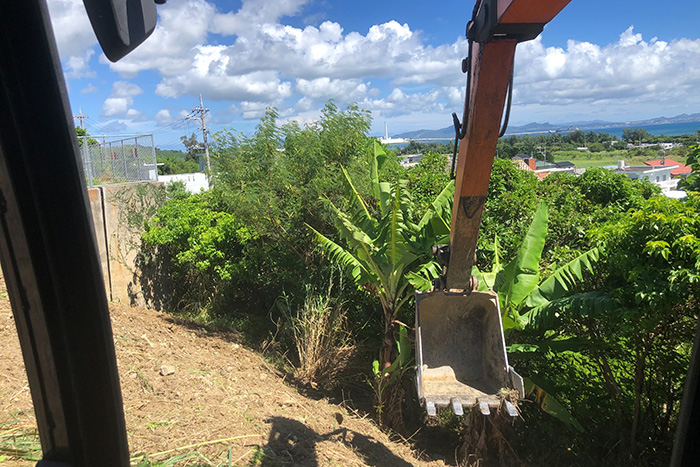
<point x="532" y="306"/>
<point x="383" y="249"/>
<point x="526" y="303"/>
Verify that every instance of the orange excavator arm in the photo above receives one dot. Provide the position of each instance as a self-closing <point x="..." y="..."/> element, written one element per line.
<point x="460" y="347"/>
<point x="497" y="26"/>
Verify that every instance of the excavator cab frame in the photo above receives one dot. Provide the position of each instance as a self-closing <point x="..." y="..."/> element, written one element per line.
<point x="49" y="254"/>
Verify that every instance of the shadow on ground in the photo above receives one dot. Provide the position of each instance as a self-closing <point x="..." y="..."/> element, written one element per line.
<point x="293" y="443"/>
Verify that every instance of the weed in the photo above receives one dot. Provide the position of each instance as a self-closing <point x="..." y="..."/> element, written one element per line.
<point x="319" y="330"/>
<point x="258" y="456"/>
<point x="19" y="441"/>
<point x="145" y="384"/>
<point x="161" y="423"/>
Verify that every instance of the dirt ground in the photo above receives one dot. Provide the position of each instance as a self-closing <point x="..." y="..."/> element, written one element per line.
<point x="203" y="396"/>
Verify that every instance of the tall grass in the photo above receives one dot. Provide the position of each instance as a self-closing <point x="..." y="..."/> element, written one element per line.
<point x="320" y="334"/>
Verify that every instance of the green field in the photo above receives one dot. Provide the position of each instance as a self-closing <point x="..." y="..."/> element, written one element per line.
<point x="582" y="160"/>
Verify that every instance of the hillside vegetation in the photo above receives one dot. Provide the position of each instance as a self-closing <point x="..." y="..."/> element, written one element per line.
<point x="313" y="239"/>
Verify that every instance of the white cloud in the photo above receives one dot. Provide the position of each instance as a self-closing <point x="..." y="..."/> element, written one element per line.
<point x="252" y="110"/>
<point x="114" y="106"/>
<point x="327" y="88"/>
<point x="629" y="73"/>
<point x="136" y="116"/>
<point x="252" y="58"/>
<point x="263" y="60"/>
<point x="71" y="27"/>
<point x="182" y="26"/>
<point x="253" y="13"/>
<point x="78" y="66"/>
<point x="74" y="36"/>
<point x="125" y="89"/>
<point x="163" y="117"/>
<point x="115" y="127"/>
<point x="399" y="102"/>
<point x="89" y="89"/>
<point x="121" y="100"/>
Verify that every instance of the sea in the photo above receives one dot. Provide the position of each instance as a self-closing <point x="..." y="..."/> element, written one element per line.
<point x="667" y="129"/>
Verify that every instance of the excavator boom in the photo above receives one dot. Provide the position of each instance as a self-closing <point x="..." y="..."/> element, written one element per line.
<point x="496" y="28"/>
<point x="461" y="355"/>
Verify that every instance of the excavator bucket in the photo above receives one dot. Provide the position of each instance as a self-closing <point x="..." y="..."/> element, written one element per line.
<point x="460" y="352"/>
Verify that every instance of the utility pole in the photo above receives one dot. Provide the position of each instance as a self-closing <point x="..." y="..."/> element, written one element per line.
<point x="80" y="117"/>
<point x="198" y="113"/>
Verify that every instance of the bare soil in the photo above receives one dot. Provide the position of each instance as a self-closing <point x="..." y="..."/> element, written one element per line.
<point x="190" y="391"/>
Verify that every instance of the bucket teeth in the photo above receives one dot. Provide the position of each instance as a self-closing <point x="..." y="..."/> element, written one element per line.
<point x="430" y="408"/>
<point x="457" y="407"/>
<point x="484" y="408"/>
<point x="512" y="411"/>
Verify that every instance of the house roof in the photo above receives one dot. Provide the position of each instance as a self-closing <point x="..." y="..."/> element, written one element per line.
<point x="680" y="170"/>
<point x="564" y="164"/>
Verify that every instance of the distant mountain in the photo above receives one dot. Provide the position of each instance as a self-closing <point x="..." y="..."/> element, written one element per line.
<point x="449" y="132"/>
<point x="444" y="133"/>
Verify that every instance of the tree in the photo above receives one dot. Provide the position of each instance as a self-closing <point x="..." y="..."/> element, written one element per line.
<point x="692" y="182"/>
<point x="636" y="135"/>
<point x="427" y="180"/>
<point x="511" y="200"/>
<point x="529" y="312"/>
<point x="621" y="373"/>
<point x="525" y="301"/>
<point x="387" y="252"/>
<point x="81" y="133"/>
<point x="207" y="251"/>
<point x="577" y="138"/>
<point x="275" y="180"/>
<point x="652" y="258"/>
<point x="174" y="162"/>
<point x="192" y="147"/>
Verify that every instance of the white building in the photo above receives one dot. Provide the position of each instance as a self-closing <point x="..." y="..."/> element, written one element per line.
<point x="658" y="175"/>
<point x="194" y="183"/>
<point x="410" y="160"/>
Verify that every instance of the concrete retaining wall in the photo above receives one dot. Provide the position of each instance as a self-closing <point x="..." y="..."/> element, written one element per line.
<point x="118" y="212"/>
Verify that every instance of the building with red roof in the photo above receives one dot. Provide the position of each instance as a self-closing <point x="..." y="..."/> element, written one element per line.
<point x="681" y="170"/>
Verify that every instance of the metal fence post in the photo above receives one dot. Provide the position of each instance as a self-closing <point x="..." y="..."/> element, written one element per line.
<point x="88" y="165"/>
<point x="155" y="160"/>
<point x="126" y="170"/>
<point x="112" y="158"/>
<point x="136" y="156"/>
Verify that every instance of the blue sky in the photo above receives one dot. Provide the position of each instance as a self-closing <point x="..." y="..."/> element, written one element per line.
<point x="617" y="61"/>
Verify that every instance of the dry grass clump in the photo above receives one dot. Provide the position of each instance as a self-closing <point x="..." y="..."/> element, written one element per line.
<point x="320" y="333"/>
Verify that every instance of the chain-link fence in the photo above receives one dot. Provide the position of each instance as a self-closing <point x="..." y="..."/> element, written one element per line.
<point x="117" y="159"/>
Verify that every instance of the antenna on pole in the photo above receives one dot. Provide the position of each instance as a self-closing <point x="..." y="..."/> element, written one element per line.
<point x="198" y="113"/>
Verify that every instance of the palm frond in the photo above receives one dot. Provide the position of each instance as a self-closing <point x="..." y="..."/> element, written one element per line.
<point x="562" y="281"/>
<point x="349" y="231"/>
<point x="547" y="402"/>
<point x="360" y="215"/>
<point x="337" y="253"/>
<point x="439" y="214"/>
<point x="422" y="278"/>
<point x="526" y="350"/>
<point x="378" y="158"/>
<point x="520" y="277"/>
